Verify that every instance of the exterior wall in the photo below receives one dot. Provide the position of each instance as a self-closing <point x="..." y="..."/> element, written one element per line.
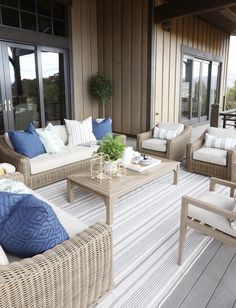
<point x="84" y="54"/>
<point x="166" y="62"/>
<point x="123" y="54"/>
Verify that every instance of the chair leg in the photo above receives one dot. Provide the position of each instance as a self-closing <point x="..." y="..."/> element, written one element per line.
<point x="183" y="228"/>
<point x="182" y="236"/>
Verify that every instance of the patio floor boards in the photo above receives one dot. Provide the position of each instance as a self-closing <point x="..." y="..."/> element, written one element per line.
<point x="210" y="282"/>
<point x="145" y="236"/>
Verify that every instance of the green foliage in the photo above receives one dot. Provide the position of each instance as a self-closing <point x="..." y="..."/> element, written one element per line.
<point x="231" y="97"/>
<point x="112" y="146"/>
<point x="101" y="87"/>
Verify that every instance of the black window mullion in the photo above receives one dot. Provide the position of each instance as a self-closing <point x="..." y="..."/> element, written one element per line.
<point x="40" y="85"/>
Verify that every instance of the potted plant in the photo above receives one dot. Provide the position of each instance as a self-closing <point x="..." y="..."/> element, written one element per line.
<point x="112" y="147"/>
<point x="101" y="88"/>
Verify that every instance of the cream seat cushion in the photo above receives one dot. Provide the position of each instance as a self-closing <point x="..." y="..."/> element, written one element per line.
<point x="155" y="144"/>
<point x="68" y="155"/>
<point x="214" y="220"/>
<point x="211" y="155"/>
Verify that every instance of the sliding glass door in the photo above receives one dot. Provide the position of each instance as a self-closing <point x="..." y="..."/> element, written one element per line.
<point x="199" y="88"/>
<point x="32" y="86"/>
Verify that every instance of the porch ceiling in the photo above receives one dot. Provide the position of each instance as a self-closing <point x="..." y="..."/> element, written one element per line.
<point x="220" y="13"/>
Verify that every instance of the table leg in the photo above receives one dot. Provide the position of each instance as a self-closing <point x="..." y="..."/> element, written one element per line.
<point x="109" y="202"/>
<point x="70" y="191"/>
<point x="224" y="121"/>
<point x="176" y="175"/>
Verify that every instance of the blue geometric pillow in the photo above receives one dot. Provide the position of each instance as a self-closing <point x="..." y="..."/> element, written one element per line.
<point x="30" y="228"/>
<point x="27" y="142"/>
<point x="100" y="129"/>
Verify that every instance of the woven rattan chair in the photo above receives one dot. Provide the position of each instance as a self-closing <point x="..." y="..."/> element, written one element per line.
<point x="175" y="148"/>
<point x="76" y="273"/>
<point x="227" y="172"/>
<point x="209" y="213"/>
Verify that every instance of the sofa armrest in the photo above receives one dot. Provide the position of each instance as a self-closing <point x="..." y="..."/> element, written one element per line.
<point x="75" y="273"/>
<point x="7" y="155"/>
<point x="142" y="137"/>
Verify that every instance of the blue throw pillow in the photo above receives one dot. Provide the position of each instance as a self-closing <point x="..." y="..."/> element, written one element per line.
<point x="30" y="228"/>
<point x="27" y="142"/>
<point x="102" y="128"/>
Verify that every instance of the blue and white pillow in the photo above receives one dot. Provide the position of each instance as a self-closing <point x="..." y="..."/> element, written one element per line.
<point x="27" y="142"/>
<point x="101" y="128"/>
<point x="28" y="226"/>
<point x="50" y="139"/>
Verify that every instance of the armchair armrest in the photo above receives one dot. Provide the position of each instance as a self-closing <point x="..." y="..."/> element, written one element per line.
<point x="142" y="137"/>
<point x="186" y="200"/>
<point x="176" y="147"/>
<point x="75" y="273"/>
<point x="214" y="181"/>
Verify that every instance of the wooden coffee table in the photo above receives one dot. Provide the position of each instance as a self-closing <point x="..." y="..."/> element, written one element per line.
<point x="116" y="187"/>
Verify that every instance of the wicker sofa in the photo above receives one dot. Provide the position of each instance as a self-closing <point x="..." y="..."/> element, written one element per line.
<point x="75" y="273"/>
<point x="174" y="149"/>
<point x="45" y="169"/>
<point x="225" y="171"/>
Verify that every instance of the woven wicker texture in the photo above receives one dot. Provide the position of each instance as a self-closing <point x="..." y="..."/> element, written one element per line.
<point x="16" y="176"/>
<point x="227" y="172"/>
<point x="22" y="165"/>
<point x="75" y="273"/>
<point x="175" y="148"/>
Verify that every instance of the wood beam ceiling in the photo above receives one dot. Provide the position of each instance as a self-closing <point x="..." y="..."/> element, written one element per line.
<point x="180" y="8"/>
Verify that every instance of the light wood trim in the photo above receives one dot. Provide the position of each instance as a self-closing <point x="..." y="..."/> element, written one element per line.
<point x="209" y="207"/>
<point x="231" y="185"/>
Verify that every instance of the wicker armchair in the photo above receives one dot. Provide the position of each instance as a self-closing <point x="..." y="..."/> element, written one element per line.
<point x="75" y="273"/>
<point x="175" y="148"/>
<point x="227" y="172"/>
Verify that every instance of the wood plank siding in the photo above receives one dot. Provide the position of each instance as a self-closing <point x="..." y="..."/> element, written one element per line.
<point x="167" y="59"/>
<point x="123" y="54"/>
<point x="85" y="56"/>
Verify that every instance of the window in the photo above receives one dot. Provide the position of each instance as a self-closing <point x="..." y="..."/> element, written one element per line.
<point x="45" y="16"/>
<point x="199" y="87"/>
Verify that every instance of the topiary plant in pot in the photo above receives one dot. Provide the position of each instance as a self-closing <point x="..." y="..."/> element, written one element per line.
<point x="101" y="88"/>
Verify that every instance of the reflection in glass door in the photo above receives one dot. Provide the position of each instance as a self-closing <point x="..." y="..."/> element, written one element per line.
<point x="196" y="89"/>
<point x="32" y="86"/>
<point x="199" y="88"/>
<point x="23" y="96"/>
<point x="53" y="86"/>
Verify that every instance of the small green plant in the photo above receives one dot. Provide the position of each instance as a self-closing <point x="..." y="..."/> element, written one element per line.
<point x="101" y="88"/>
<point x="112" y="146"/>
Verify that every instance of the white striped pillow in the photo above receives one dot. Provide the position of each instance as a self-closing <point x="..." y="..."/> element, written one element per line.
<point x="166" y="134"/>
<point x="80" y="132"/>
<point x="219" y="143"/>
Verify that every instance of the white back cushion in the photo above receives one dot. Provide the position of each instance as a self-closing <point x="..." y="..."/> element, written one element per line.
<point x="221" y="132"/>
<point x="166" y="134"/>
<point x="3" y="257"/>
<point x="62" y="132"/>
<point x="179" y="127"/>
<point x="80" y="132"/>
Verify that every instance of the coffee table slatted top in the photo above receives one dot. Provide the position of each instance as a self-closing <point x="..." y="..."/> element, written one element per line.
<point x="116" y="187"/>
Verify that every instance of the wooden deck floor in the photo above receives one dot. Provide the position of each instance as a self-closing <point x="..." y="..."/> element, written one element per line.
<point x="210" y="282"/>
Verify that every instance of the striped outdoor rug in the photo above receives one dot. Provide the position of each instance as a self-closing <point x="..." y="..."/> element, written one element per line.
<point x="146" y="231"/>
